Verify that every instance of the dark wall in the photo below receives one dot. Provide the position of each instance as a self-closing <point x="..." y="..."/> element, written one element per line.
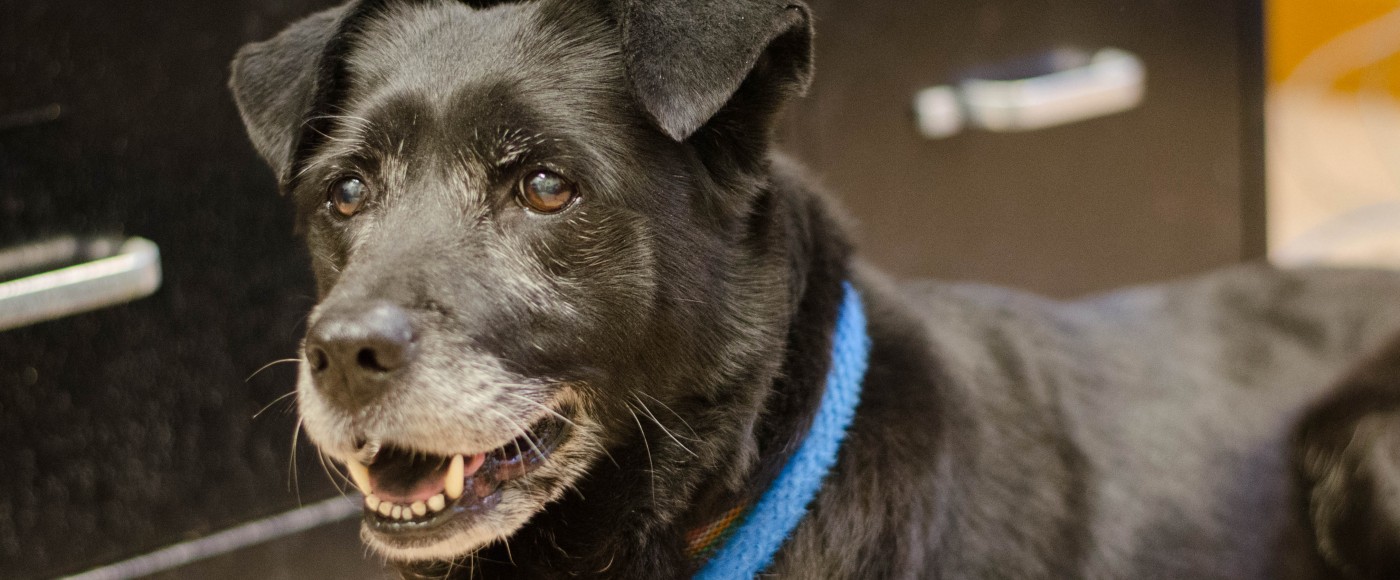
<point x="131" y="427"/>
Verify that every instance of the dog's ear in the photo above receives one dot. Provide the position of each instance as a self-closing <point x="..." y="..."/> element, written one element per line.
<point x="274" y="81"/>
<point x="686" y="59"/>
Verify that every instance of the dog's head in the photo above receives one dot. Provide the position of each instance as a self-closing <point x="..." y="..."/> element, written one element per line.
<point x="529" y="221"/>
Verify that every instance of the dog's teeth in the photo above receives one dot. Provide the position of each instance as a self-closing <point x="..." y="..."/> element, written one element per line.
<point x="407" y="514"/>
<point x="455" y="481"/>
<point x="372" y="502"/>
<point x="385" y="508"/>
<point x="360" y="474"/>
<point x="437" y="502"/>
<point x="419" y="508"/>
<point x="396" y="512"/>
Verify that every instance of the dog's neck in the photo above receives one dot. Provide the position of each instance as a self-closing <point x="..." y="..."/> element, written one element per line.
<point x="794" y="394"/>
<point x="616" y="524"/>
<point x="751" y="547"/>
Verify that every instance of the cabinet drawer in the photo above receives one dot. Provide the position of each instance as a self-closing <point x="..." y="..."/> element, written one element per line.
<point x="132" y="427"/>
<point x="1170" y="187"/>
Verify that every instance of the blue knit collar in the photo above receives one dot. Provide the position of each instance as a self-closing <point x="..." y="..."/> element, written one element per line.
<point x="776" y="514"/>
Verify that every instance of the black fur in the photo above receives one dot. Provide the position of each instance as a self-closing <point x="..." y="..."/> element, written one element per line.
<point x="683" y="309"/>
<point x="1347" y="456"/>
<point x="331" y="86"/>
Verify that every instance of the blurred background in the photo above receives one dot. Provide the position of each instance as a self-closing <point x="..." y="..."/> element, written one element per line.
<point x="151" y="290"/>
<point x="1334" y="132"/>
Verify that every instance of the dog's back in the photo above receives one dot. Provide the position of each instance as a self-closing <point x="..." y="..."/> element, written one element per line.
<point x="1138" y="434"/>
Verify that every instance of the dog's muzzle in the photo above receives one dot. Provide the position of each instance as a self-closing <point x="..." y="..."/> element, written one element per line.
<point x="358" y="352"/>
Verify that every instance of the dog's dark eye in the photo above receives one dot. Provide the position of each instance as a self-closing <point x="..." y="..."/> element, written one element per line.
<point x="347" y="195"/>
<point x="546" y="191"/>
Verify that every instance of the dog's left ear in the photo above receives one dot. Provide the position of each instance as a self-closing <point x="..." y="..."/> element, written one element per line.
<point x="686" y="59"/>
<point x="273" y="82"/>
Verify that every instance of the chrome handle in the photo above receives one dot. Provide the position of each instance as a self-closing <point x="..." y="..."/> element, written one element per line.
<point x="1113" y="81"/>
<point x="938" y="112"/>
<point x="1109" y="81"/>
<point x="133" y="272"/>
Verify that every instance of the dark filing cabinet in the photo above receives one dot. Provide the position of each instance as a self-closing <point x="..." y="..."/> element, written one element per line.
<point x="1063" y="147"/>
<point x="1160" y="176"/>
<point x="129" y="428"/>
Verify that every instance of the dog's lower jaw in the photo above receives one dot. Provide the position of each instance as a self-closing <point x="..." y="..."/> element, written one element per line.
<point x="446" y="549"/>
<point x="507" y="511"/>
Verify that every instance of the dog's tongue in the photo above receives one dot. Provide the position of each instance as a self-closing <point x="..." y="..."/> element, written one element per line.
<point x="404" y="479"/>
<point x="421" y="490"/>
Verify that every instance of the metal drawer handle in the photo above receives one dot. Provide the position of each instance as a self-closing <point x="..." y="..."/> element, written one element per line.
<point x="1109" y="81"/>
<point x="133" y="272"/>
<point x="1113" y="80"/>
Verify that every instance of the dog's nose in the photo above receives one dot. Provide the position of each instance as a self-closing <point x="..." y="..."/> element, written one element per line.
<point x="353" y="350"/>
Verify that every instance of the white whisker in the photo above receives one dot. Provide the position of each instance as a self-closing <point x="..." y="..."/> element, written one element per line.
<point x="540" y="405"/>
<point x="664" y="430"/>
<point x="270" y="365"/>
<point x="673" y="412"/>
<point x="274" y="402"/>
<point x="293" y="482"/>
<point x="648" y="448"/>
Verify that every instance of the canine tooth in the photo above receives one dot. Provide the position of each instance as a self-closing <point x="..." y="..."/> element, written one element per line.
<point x="372" y="502"/>
<point x="437" y="502"/>
<point x="454" y="483"/>
<point x="419" y="508"/>
<point x="360" y="474"/>
<point x="407" y="514"/>
<point x="385" y="508"/>
<point x="396" y="512"/>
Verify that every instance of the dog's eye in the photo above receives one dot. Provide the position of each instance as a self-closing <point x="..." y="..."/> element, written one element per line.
<point x="347" y="195"/>
<point x="546" y="191"/>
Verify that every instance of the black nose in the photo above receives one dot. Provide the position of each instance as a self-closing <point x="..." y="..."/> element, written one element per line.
<point x="354" y="349"/>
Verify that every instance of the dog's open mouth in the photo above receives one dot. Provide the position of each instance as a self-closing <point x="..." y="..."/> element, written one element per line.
<point x="409" y="491"/>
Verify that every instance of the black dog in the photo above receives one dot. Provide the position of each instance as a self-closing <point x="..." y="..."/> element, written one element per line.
<point x="574" y="310"/>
